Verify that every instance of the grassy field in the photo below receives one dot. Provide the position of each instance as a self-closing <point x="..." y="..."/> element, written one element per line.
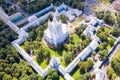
<point x="76" y="38"/>
<point x="61" y="78"/>
<point x="100" y="1"/>
<point x="77" y="21"/>
<point x="107" y="30"/>
<point x="109" y="47"/>
<point x="118" y="53"/>
<point x="57" y="53"/>
<point x="96" y="8"/>
<point x="117" y="56"/>
<point x="62" y="62"/>
<point x="75" y="74"/>
<point x="106" y="2"/>
<point x="44" y="64"/>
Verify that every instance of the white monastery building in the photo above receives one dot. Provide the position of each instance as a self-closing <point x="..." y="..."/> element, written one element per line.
<point x="57" y="32"/>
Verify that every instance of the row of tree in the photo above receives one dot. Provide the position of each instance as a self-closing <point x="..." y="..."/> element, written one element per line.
<point x="111" y="20"/>
<point x="84" y="68"/>
<point x="73" y="49"/>
<point x="38" y="5"/>
<point x="114" y="68"/>
<point x="12" y="66"/>
<point x="79" y="30"/>
<point x="116" y="30"/>
<point x="7" y="7"/>
<point x="106" y="16"/>
<point x="34" y="46"/>
<point x="102" y="48"/>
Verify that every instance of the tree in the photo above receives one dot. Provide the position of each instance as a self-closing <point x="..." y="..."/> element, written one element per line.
<point x="7" y="77"/>
<point x="2" y="74"/>
<point x="115" y="63"/>
<point x="50" y="17"/>
<point x="111" y="42"/>
<point x="100" y="14"/>
<point x="85" y="66"/>
<point x="63" y="19"/>
<point x="11" y="64"/>
<point x="27" y="47"/>
<point x="82" y="36"/>
<point x="103" y="54"/>
<point x="23" y="2"/>
<point x="80" y="29"/>
<point x="67" y="58"/>
<point x="104" y="45"/>
<point x="118" y="19"/>
<point x="108" y="18"/>
<point x="35" y="77"/>
<point x="111" y="1"/>
<point x="103" y="37"/>
<point x="33" y="35"/>
<point x="40" y="56"/>
<point x="116" y="31"/>
<point x="111" y="73"/>
<point x="85" y="76"/>
<point x="106" y="15"/>
<point x="52" y="74"/>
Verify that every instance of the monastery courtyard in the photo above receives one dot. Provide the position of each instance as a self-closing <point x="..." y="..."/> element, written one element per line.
<point x="66" y="39"/>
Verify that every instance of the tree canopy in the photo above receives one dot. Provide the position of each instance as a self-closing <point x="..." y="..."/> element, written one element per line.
<point x="37" y="5"/>
<point x="12" y="66"/>
<point x="52" y="74"/>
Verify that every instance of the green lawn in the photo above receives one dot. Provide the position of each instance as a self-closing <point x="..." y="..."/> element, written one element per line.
<point x="61" y="78"/>
<point x="117" y="54"/>
<point x="109" y="38"/>
<point x="35" y="59"/>
<point x="62" y="62"/>
<point x="109" y="47"/>
<point x="106" y="3"/>
<point x="100" y="1"/>
<point x="44" y="64"/>
<point x="96" y="8"/>
<point x="54" y="53"/>
<point x="77" y="21"/>
<point x="58" y="53"/>
<point x="107" y="30"/>
<point x="75" y="74"/>
<point x="76" y="38"/>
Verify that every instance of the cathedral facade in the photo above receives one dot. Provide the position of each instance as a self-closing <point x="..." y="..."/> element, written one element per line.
<point x="57" y="32"/>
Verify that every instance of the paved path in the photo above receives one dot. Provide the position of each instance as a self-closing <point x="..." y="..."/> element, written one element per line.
<point x="87" y="9"/>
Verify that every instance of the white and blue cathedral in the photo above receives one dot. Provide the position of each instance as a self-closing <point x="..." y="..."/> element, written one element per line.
<point x="57" y="32"/>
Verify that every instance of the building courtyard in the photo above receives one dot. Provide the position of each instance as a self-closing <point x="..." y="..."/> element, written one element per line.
<point x="65" y="39"/>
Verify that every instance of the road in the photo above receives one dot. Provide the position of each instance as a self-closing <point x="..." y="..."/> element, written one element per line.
<point x="18" y="8"/>
<point x="88" y="10"/>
